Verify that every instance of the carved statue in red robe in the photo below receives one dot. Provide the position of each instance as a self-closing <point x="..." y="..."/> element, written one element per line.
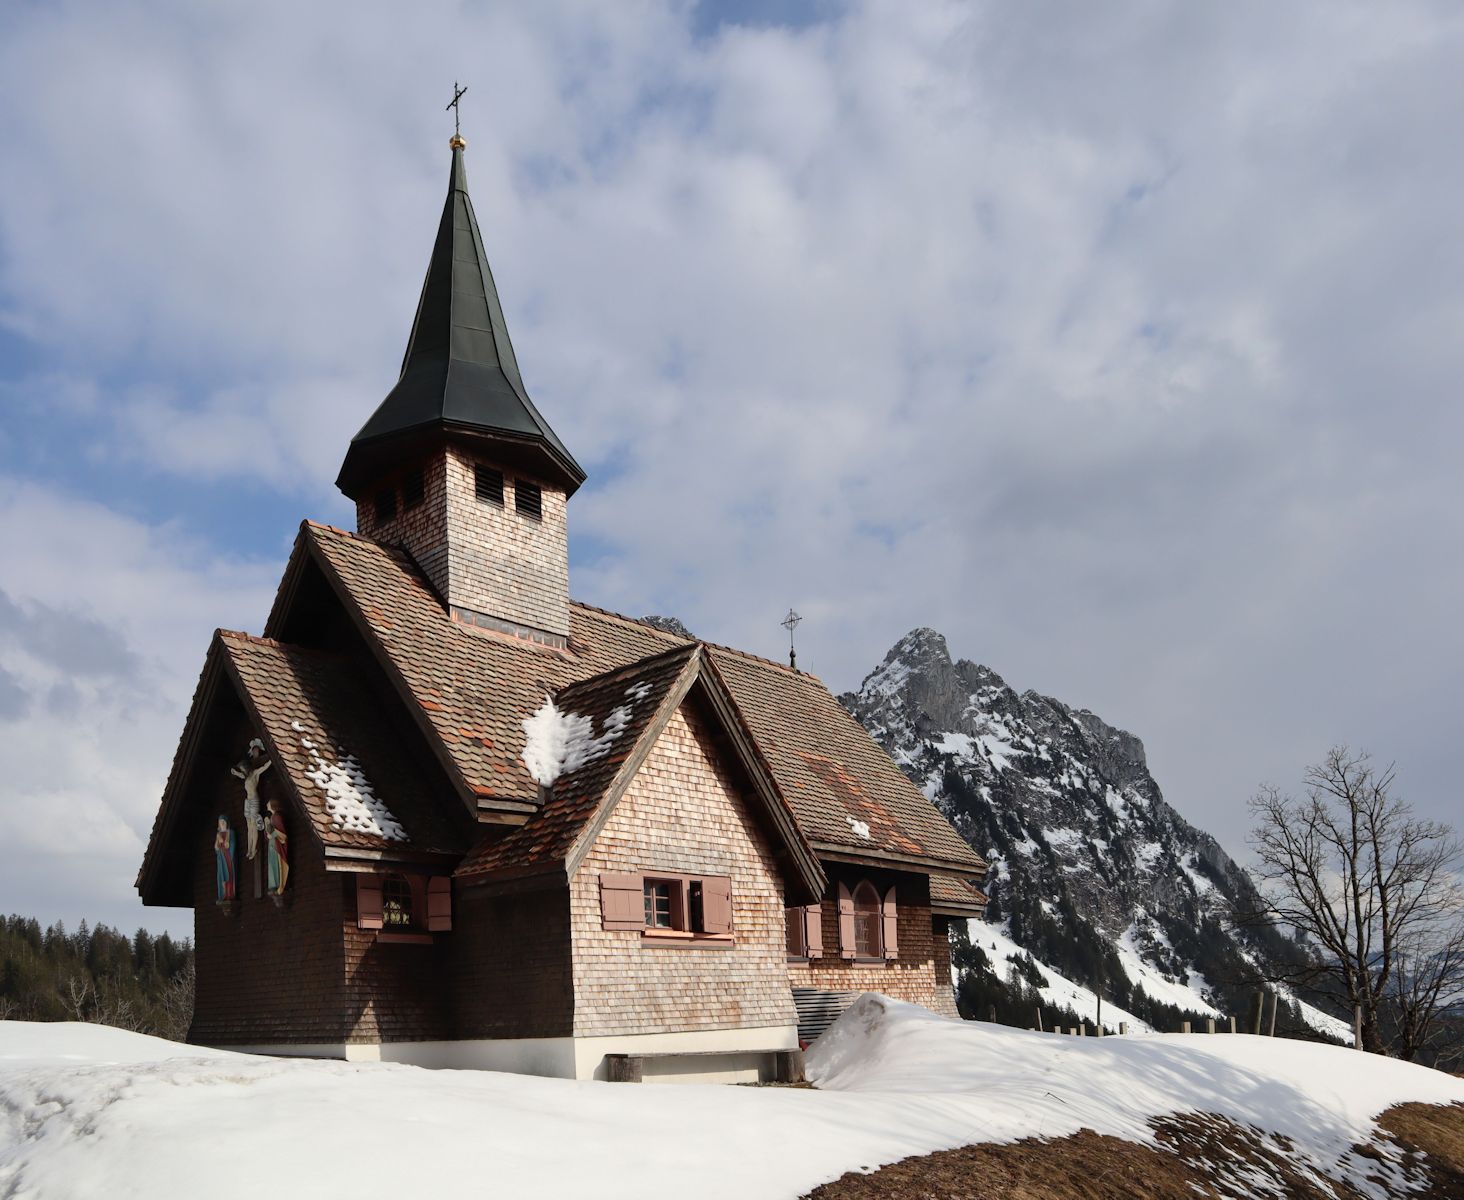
<point x="279" y="849"/>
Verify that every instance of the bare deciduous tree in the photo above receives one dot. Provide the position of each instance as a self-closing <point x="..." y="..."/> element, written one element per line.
<point x="1370" y="890"/>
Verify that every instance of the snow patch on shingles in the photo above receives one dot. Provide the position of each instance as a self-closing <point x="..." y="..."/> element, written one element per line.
<point x="560" y="742"/>
<point x="859" y="827"/>
<point x="349" y="798"/>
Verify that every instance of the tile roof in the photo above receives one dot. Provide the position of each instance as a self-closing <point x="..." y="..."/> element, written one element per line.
<point x="474" y="688"/>
<point x="311" y="700"/>
<point x="548" y="836"/>
<point x="956" y="892"/>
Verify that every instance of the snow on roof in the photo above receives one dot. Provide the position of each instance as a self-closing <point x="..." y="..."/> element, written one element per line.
<point x="349" y="798"/>
<point x="560" y="742"/>
<point x="859" y="827"/>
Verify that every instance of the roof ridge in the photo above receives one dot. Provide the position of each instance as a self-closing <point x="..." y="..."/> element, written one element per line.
<point x="747" y="654"/>
<point x="632" y="668"/>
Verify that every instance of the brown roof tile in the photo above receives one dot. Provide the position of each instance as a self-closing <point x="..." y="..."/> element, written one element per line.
<point x="575" y="796"/>
<point x="309" y="700"/>
<point x="474" y="689"/>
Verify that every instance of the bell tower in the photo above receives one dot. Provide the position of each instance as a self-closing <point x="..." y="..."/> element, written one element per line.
<point x="456" y="465"/>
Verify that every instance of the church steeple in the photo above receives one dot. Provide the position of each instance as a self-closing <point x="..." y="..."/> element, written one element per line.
<point x="460" y="377"/>
<point x="456" y="465"/>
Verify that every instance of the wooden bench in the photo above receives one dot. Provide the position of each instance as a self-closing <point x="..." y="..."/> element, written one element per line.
<point x="787" y="1065"/>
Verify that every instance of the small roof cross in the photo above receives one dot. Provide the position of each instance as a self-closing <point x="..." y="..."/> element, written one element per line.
<point x="457" y="95"/>
<point x="790" y="623"/>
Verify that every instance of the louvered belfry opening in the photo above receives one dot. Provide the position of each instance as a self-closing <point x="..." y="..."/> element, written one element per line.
<point x="457" y="466"/>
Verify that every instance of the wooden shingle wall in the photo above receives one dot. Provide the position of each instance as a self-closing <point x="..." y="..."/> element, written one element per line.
<point x="502" y="562"/>
<point x="511" y="965"/>
<point x="922" y="973"/>
<point x="479" y="555"/>
<point x="265" y="974"/>
<point x="683" y="813"/>
<point x="422" y="530"/>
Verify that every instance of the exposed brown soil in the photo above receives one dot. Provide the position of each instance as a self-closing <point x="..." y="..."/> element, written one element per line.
<point x="1197" y="1156"/>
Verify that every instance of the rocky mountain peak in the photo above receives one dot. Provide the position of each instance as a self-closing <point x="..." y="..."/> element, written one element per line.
<point x="1091" y="867"/>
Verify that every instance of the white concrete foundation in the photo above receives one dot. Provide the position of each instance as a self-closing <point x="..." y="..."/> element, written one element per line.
<point x="725" y="1055"/>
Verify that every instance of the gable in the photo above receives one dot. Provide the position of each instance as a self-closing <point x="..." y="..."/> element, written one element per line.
<point x="331" y="750"/>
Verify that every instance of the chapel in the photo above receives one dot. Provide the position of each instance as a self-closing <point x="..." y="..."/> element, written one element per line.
<point x="440" y="813"/>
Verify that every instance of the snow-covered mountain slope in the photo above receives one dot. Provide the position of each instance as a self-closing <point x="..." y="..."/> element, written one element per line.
<point x="90" y="1111"/>
<point x="1093" y="873"/>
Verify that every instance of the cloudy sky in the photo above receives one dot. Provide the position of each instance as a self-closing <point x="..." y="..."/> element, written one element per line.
<point x="1121" y="343"/>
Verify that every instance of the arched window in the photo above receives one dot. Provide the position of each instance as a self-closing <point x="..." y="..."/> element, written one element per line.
<point x="868" y="925"/>
<point x="867" y="922"/>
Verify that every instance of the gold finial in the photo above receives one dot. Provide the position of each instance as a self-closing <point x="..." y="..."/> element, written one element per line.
<point x="457" y="141"/>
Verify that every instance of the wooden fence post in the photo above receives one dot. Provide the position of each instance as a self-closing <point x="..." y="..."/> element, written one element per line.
<point x="1275" y="1004"/>
<point x="1039" y="1020"/>
<point x="1184" y="1027"/>
<point x="1122" y="1028"/>
<point x="1259" y="1011"/>
<point x="1209" y="1024"/>
<point x="1232" y="1022"/>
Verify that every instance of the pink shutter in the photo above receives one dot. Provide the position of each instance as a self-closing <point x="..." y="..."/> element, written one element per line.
<point x="368" y="901"/>
<point x="439" y="904"/>
<point x="813" y="929"/>
<point x="846" y="923"/>
<point x="887" y="912"/>
<point x="622" y="902"/>
<point x="717" y="904"/>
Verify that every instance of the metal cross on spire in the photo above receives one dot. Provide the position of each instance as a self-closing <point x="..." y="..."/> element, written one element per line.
<point x="457" y="130"/>
<point x="790" y="623"/>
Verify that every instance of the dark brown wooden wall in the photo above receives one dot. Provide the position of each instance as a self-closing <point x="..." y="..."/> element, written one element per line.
<point x="265" y="974"/>
<point x="510" y="965"/>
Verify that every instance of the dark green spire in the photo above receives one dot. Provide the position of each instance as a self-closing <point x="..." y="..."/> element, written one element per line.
<point x="459" y="375"/>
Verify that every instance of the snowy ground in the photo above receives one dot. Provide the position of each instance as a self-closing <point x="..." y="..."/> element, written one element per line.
<point x="90" y="1111"/>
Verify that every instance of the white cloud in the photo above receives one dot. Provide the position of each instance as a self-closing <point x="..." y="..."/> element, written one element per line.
<point x="1119" y="344"/>
<point x="103" y="626"/>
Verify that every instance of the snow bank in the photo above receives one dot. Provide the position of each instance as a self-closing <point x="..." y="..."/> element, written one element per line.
<point x="1048" y="1085"/>
<point x="87" y="1111"/>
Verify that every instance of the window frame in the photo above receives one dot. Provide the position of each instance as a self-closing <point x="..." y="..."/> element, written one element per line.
<point x="430" y="912"/>
<point x="685" y="914"/>
<point x="881" y="920"/>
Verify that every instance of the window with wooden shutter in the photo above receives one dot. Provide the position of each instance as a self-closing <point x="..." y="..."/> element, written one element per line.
<point x="716" y="893"/>
<point x="794" y="935"/>
<point x="867" y="921"/>
<point x="622" y="902"/>
<point x="439" y="904"/>
<point x="887" y="919"/>
<point x="813" y="930"/>
<point x="368" y="901"/>
<point x="846" y="922"/>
